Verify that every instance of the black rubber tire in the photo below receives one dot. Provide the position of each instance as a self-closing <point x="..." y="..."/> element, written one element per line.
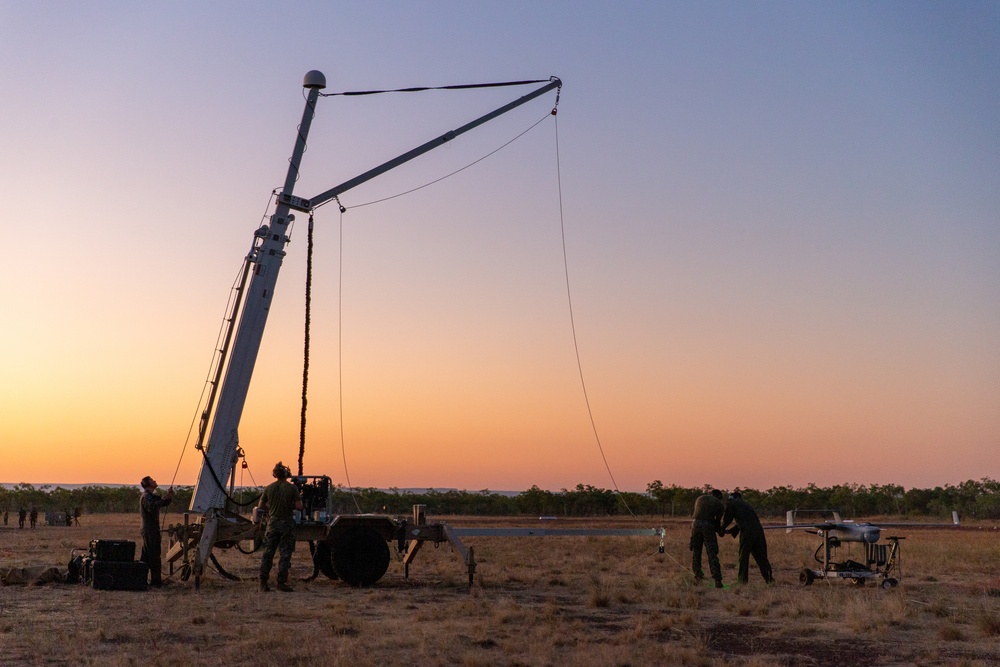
<point x="858" y="582"/>
<point x="806" y="577"/>
<point x="360" y="556"/>
<point x="889" y="583"/>
<point x="323" y="559"/>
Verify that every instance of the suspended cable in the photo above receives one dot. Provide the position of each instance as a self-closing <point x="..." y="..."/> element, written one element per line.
<point x="438" y="180"/>
<point x="572" y="323"/>
<point x="463" y="86"/>
<point x="340" y="360"/>
<point x="576" y="345"/>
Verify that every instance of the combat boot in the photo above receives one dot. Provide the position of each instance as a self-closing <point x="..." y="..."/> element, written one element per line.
<point x="284" y="588"/>
<point x="264" y="588"/>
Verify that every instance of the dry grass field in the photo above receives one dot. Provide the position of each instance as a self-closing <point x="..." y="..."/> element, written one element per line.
<point x="537" y="601"/>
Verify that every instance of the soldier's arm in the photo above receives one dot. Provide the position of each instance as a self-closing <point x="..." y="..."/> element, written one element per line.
<point x="263" y="502"/>
<point x="727" y="517"/>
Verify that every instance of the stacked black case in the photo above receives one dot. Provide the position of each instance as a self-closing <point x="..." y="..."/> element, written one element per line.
<point x="111" y="566"/>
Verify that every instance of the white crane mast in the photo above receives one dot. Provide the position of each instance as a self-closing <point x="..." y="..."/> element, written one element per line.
<point x="265" y="257"/>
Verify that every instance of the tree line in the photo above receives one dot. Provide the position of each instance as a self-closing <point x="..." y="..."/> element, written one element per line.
<point x="972" y="499"/>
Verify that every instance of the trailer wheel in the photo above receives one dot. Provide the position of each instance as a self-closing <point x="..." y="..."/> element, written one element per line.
<point x="806" y="577"/>
<point x="889" y="583"/>
<point x="858" y="581"/>
<point x="360" y="556"/>
<point x="323" y="560"/>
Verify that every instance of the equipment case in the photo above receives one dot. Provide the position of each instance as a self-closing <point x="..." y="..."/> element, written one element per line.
<point x="112" y="550"/>
<point x="107" y="575"/>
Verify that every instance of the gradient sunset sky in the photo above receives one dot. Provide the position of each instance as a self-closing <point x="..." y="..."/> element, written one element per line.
<point x="782" y="226"/>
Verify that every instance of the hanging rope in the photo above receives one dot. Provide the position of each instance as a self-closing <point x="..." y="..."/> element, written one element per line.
<point x="305" y="351"/>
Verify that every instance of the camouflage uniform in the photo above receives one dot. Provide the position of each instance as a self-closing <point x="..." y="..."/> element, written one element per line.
<point x="149" y="508"/>
<point x="752" y="540"/>
<point x="280" y="498"/>
<point x="708" y="510"/>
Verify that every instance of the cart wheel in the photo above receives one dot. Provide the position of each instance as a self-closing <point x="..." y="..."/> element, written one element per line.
<point x="806" y="577"/>
<point x="360" y="556"/>
<point x="323" y="559"/>
<point x="889" y="583"/>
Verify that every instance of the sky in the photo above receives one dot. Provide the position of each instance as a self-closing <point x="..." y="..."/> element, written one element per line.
<point x="759" y="245"/>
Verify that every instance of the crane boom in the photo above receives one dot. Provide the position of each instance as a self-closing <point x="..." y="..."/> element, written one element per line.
<point x="265" y="257"/>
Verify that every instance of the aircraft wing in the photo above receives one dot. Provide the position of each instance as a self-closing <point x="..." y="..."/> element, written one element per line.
<point x="804" y="526"/>
<point x="837" y="524"/>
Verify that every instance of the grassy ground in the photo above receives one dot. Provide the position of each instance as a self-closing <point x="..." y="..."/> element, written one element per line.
<point x="537" y="601"/>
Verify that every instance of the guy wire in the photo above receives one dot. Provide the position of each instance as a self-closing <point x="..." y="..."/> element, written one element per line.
<point x="572" y="324"/>
<point x="340" y="360"/>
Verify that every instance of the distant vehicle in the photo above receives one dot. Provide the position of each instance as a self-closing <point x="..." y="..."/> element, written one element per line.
<point x="881" y="560"/>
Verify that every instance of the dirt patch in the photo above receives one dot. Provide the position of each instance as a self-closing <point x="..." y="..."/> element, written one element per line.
<point x="730" y="639"/>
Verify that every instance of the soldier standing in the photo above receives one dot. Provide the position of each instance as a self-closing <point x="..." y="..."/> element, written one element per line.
<point x="708" y="511"/>
<point x="278" y="503"/>
<point x="149" y="507"/>
<point x="33" y="517"/>
<point x="751" y="534"/>
<point x="22" y="514"/>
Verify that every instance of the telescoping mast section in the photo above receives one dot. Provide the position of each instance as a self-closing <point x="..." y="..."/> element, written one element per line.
<point x="350" y="547"/>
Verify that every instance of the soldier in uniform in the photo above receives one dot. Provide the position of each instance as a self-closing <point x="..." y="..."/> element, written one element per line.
<point x="22" y="514"/>
<point x="149" y="507"/>
<point x="277" y="503"/>
<point x="751" y="534"/>
<point x="33" y="516"/>
<point x="708" y="511"/>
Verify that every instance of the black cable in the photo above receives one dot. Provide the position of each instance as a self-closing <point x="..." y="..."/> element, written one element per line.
<point x="464" y="86"/>
<point x="222" y="570"/>
<point x="305" y="351"/>
<point x="222" y="487"/>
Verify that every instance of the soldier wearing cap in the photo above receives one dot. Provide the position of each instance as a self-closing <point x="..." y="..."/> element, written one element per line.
<point x="278" y="502"/>
<point x="149" y="507"/>
<point x="751" y="534"/>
